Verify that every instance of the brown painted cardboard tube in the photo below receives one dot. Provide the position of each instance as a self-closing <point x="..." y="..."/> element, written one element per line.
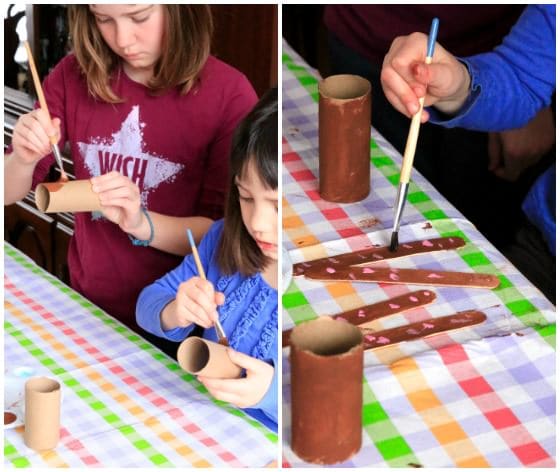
<point x="326" y="362"/>
<point x="344" y="138"/>
<point x="199" y="356"/>
<point x="73" y="196"/>
<point x="42" y="413"/>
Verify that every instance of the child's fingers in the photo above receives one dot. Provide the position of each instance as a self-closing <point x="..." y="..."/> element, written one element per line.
<point x="219" y="298"/>
<point x="112" y="181"/>
<point x="195" y="301"/>
<point x="224" y="389"/>
<point x="244" y="361"/>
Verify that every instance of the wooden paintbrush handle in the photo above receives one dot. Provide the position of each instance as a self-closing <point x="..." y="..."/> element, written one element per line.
<point x="38" y="86"/>
<point x="412" y="140"/>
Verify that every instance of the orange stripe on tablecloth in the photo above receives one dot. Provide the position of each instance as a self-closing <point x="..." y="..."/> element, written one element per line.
<point x="108" y="387"/>
<point x="435" y="415"/>
<point x="296" y="229"/>
<point x="502" y="418"/>
<point x="143" y="390"/>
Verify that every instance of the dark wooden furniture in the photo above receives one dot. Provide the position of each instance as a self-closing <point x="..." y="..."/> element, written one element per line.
<point x="44" y="238"/>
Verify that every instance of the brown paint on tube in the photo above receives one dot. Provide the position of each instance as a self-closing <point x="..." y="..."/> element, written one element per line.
<point x="199" y="356"/>
<point x="42" y="413"/>
<point x="326" y="362"/>
<point x="344" y="138"/>
<point x="71" y="196"/>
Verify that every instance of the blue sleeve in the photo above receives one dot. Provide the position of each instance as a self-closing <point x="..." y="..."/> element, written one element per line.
<point x="540" y="206"/>
<point x="511" y="84"/>
<point x="155" y="297"/>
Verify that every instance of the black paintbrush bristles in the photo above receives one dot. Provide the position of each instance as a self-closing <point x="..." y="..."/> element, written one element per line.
<point x="394" y="241"/>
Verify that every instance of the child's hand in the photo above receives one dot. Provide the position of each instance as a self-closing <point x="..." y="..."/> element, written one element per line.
<point x="244" y="392"/>
<point x="120" y="198"/>
<point x="195" y="302"/>
<point x="31" y="138"/>
<point x="405" y="75"/>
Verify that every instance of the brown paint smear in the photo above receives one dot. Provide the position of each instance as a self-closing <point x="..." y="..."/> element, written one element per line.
<point x="9" y="418"/>
<point x="377" y="254"/>
<point x="365" y="314"/>
<point x="404" y="276"/>
<point x="423" y="329"/>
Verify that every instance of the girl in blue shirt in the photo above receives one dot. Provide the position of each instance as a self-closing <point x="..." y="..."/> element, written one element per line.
<point x="240" y="258"/>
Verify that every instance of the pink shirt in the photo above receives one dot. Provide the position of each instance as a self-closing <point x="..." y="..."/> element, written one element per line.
<point x="176" y="148"/>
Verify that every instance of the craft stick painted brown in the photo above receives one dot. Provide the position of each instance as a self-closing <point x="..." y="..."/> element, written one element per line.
<point x="403" y="276"/>
<point x="326" y="362"/>
<point x="199" y="356"/>
<point x="42" y="413"/>
<point x="73" y="196"/>
<point x="377" y="254"/>
<point x="423" y="329"/>
<point x="368" y="313"/>
<point x="344" y="137"/>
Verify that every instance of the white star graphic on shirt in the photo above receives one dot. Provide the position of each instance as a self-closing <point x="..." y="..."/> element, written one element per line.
<point x="124" y="153"/>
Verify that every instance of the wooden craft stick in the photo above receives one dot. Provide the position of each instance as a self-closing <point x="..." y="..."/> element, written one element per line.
<point x="377" y="254"/>
<point x="368" y="313"/>
<point x="403" y="276"/>
<point x="423" y="329"/>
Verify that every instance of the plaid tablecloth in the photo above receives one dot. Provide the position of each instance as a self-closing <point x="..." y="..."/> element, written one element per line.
<point x="479" y="397"/>
<point x="124" y="402"/>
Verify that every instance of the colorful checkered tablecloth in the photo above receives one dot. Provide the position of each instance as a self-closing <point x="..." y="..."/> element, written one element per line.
<point x="480" y="397"/>
<point x="124" y="402"/>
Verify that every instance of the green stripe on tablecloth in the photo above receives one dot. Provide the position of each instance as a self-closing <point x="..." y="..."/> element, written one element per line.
<point x="520" y="307"/>
<point x="383" y="433"/>
<point x="12" y="454"/>
<point x="89" y="398"/>
<point x="132" y="337"/>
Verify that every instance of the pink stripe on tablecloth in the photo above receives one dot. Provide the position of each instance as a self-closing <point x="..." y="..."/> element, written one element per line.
<point x="332" y="212"/>
<point x="500" y="416"/>
<point x="77" y="447"/>
<point x="158" y="401"/>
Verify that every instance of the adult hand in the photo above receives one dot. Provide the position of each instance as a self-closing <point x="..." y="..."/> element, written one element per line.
<point x="405" y="77"/>
<point x="31" y="137"/>
<point x="512" y="152"/>
<point x="196" y="302"/>
<point x="246" y="391"/>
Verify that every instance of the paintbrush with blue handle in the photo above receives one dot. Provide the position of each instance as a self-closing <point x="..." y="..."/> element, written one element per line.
<point x="410" y="149"/>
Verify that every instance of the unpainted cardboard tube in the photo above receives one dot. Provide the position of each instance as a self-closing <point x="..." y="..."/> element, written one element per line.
<point x="42" y="413"/>
<point x="326" y="363"/>
<point x="199" y="356"/>
<point x="72" y="196"/>
<point x="344" y="138"/>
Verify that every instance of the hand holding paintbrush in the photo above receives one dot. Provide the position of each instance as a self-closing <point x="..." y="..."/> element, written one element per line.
<point x="43" y="103"/>
<point x="222" y="339"/>
<point x="410" y="148"/>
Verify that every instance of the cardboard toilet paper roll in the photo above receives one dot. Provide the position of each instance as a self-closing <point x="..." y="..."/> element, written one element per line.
<point x="74" y="196"/>
<point x="42" y="413"/>
<point x="344" y="138"/>
<point x="199" y="356"/>
<point x="326" y="362"/>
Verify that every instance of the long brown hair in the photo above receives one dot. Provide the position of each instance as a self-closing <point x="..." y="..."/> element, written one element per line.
<point x="185" y="49"/>
<point x="255" y="140"/>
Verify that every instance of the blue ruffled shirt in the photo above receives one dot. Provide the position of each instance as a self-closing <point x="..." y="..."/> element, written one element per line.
<point x="508" y="87"/>
<point x="249" y="315"/>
